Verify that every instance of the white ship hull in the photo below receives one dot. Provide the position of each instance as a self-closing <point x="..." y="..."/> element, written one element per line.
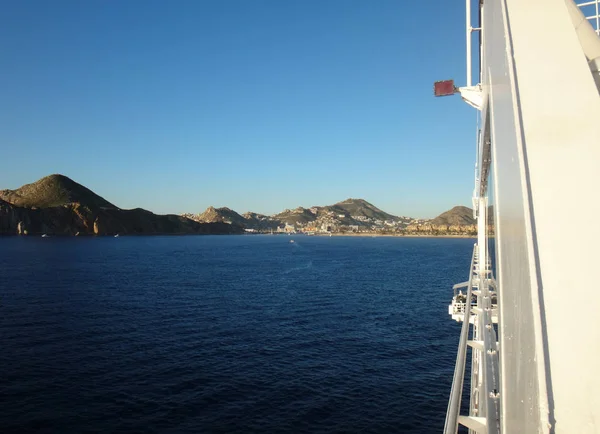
<point x="539" y="171"/>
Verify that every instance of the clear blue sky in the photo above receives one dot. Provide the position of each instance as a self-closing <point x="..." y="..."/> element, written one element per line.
<point x="258" y="105"/>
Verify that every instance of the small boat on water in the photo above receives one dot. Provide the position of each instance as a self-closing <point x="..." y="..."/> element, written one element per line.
<point x="116" y="235"/>
<point x="45" y="235"/>
<point x="292" y="241"/>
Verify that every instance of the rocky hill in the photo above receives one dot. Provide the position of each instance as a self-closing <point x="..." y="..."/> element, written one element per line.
<point x="223" y="215"/>
<point x="54" y="190"/>
<point x="459" y="215"/>
<point x="457" y="221"/>
<point x="360" y="207"/>
<point x="260" y="222"/>
<point x="351" y="212"/>
<point x="248" y="220"/>
<point x="297" y="216"/>
<point x="58" y="205"/>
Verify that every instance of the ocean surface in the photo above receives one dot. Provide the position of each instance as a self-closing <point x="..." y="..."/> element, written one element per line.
<point x="227" y="333"/>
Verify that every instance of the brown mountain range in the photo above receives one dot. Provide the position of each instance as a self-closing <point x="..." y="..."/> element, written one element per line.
<point x="58" y="205"/>
<point x="351" y="212"/>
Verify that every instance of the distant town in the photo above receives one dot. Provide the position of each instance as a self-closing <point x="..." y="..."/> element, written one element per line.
<point x="330" y="222"/>
<point x="352" y="216"/>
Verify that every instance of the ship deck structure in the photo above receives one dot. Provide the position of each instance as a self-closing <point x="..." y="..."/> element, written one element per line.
<point x="530" y="311"/>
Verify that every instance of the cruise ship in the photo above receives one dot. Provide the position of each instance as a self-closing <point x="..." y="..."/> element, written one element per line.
<point x="529" y="349"/>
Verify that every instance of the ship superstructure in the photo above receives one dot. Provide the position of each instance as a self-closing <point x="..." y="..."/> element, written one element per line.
<point x="531" y="317"/>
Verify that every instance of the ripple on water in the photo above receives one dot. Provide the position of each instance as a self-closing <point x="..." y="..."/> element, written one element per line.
<point x="228" y="334"/>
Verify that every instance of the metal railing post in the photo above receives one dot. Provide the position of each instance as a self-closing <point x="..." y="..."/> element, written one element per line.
<point x="597" y="19"/>
<point x="469" y="79"/>
<point x="451" y="424"/>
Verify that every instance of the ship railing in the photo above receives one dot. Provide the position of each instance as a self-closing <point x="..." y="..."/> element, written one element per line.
<point x="453" y="412"/>
<point x="591" y="11"/>
<point x="457" y="308"/>
<point x="480" y="307"/>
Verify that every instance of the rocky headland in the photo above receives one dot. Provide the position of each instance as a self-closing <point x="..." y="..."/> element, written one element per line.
<point x="57" y="205"/>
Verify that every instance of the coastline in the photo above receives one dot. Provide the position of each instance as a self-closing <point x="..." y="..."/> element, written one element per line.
<point x="180" y="234"/>
<point x="373" y="235"/>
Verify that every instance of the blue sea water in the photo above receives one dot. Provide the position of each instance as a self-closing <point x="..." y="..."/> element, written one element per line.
<point x="227" y="333"/>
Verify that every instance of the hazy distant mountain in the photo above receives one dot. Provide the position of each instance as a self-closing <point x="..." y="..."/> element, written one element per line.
<point x="458" y="216"/>
<point x="60" y="206"/>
